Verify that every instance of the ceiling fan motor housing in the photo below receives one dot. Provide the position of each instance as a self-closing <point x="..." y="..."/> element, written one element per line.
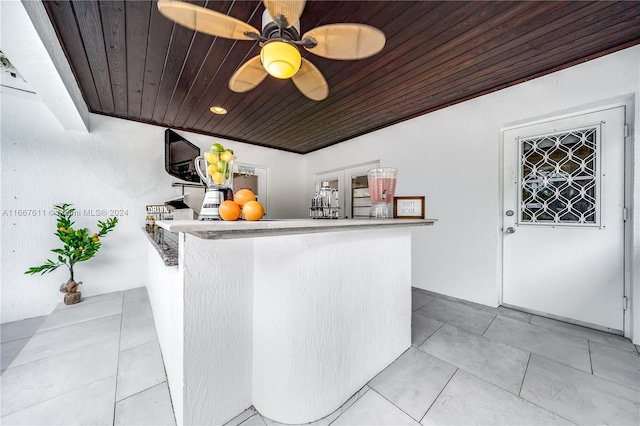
<point x="270" y="29"/>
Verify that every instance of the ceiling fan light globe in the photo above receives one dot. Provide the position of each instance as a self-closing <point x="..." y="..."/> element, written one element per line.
<point x="280" y="59"/>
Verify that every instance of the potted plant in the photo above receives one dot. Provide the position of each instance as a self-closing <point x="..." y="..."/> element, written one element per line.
<point x="79" y="246"/>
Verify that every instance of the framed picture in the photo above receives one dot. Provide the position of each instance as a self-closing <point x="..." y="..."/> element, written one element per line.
<point x="408" y="207"/>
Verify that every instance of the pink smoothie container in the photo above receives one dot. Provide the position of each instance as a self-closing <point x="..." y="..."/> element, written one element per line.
<point x="382" y="187"/>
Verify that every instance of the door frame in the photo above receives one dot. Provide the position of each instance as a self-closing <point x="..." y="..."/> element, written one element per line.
<point x="263" y="184"/>
<point x="631" y="321"/>
<point x="341" y="174"/>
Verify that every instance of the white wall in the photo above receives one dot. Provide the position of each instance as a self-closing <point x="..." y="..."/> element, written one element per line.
<point x="118" y="166"/>
<point x="166" y="296"/>
<point x="453" y="157"/>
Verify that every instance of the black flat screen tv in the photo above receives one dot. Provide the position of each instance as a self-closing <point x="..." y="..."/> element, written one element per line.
<point x="179" y="156"/>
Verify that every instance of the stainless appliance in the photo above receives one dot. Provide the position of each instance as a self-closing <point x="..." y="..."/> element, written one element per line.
<point x="215" y="169"/>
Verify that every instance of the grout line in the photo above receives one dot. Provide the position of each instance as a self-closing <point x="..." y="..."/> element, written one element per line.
<point x="590" y="359"/>
<point x="488" y="326"/>
<point x="352" y="404"/>
<point x="166" y="380"/>
<point x="553" y="413"/>
<point x="144" y="390"/>
<point x="592" y="331"/>
<point x="54" y="396"/>
<point x="410" y="416"/>
<point x="432" y="334"/>
<point x="545" y="409"/>
<point x="439" y="393"/>
<point x="380" y="372"/>
<point x="524" y="375"/>
<point x="139" y="344"/>
<point x="20" y="338"/>
<point x="115" y="391"/>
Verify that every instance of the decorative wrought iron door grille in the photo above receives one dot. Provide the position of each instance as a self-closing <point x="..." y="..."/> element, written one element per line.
<point x="559" y="181"/>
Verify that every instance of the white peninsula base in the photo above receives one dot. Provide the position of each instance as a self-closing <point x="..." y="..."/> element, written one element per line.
<point x="292" y="324"/>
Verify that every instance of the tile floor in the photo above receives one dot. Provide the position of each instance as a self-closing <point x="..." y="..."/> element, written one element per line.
<point x="471" y="364"/>
<point x="94" y="363"/>
<point x="468" y="364"/>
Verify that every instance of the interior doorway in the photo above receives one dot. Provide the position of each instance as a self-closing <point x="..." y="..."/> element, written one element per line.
<point x="351" y="184"/>
<point x="254" y="178"/>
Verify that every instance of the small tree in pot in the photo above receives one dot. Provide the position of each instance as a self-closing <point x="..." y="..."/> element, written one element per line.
<point x="79" y="246"/>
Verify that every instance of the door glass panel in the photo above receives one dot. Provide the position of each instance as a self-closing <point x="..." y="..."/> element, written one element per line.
<point x="559" y="180"/>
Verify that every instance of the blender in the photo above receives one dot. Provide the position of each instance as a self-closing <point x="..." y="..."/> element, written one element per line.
<point x="382" y="187"/>
<point x="216" y="171"/>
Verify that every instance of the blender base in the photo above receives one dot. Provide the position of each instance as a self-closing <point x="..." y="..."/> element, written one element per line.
<point x="211" y="203"/>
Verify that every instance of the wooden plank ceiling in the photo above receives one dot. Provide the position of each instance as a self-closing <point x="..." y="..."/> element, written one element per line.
<point x="133" y="63"/>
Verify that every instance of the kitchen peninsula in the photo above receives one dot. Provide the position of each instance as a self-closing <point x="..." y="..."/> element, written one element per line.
<point x="290" y="316"/>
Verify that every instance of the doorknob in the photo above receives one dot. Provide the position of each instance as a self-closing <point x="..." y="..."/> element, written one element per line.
<point x="510" y="230"/>
<point x="509" y="213"/>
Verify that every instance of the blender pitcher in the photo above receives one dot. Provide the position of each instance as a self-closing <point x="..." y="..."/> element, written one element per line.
<point x="382" y="187"/>
<point x="216" y="171"/>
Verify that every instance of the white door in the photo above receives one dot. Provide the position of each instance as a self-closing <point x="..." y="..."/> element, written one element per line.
<point x="563" y="234"/>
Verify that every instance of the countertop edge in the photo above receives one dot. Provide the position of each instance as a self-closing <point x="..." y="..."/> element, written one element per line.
<point x="167" y="250"/>
<point x="215" y="230"/>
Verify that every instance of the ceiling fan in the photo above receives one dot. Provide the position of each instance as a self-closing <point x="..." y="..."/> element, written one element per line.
<point x="280" y="41"/>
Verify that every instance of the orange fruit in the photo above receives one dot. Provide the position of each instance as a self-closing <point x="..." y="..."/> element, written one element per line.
<point x="229" y="210"/>
<point x="244" y="195"/>
<point x="252" y="210"/>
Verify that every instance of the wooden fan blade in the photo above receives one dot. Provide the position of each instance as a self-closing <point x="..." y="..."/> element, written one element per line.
<point x="291" y="9"/>
<point x="310" y="81"/>
<point x="205" y="20"/>
<point x="248" y="76"/>
<point x="346" y="41"/>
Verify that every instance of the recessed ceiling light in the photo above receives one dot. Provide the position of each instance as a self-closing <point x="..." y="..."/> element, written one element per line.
<point x="218" y="110"/>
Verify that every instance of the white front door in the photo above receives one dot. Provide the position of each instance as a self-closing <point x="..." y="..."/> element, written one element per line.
<point x="563" y="234"/>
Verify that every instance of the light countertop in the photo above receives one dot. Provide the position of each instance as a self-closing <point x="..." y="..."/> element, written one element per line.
<point x="219" y="229"/>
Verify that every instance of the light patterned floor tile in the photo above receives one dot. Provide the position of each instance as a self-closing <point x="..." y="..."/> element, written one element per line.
<point x="10" y="351"/>
<point x="255" y="420"/>
<point x="545" y="342"/>
<point x="413" y="381"/>
<point x="457" y="314"/>
<point x="469" y="400"/>
<point x="372" y="409"/>
<point x="422" y="328"/>
<point x="88" y="405"/>
<point x="64" y="339"/>
<point x="34" y="382"/>
<point x="502" y="311"/>
<point x="138" y="326"/>
<point x="16" y="330"/>
<point x="495" y="362"/>
<point x="610" y="339"/>
<point x="149" y="407"/>
<point x="578" y="396"/>
<point x="88" y="309"/>
<point x="418" y="300"/>
<point x="140" y="368"/>
<point x="245" y="415"/>
<point x="618" y="365"/>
